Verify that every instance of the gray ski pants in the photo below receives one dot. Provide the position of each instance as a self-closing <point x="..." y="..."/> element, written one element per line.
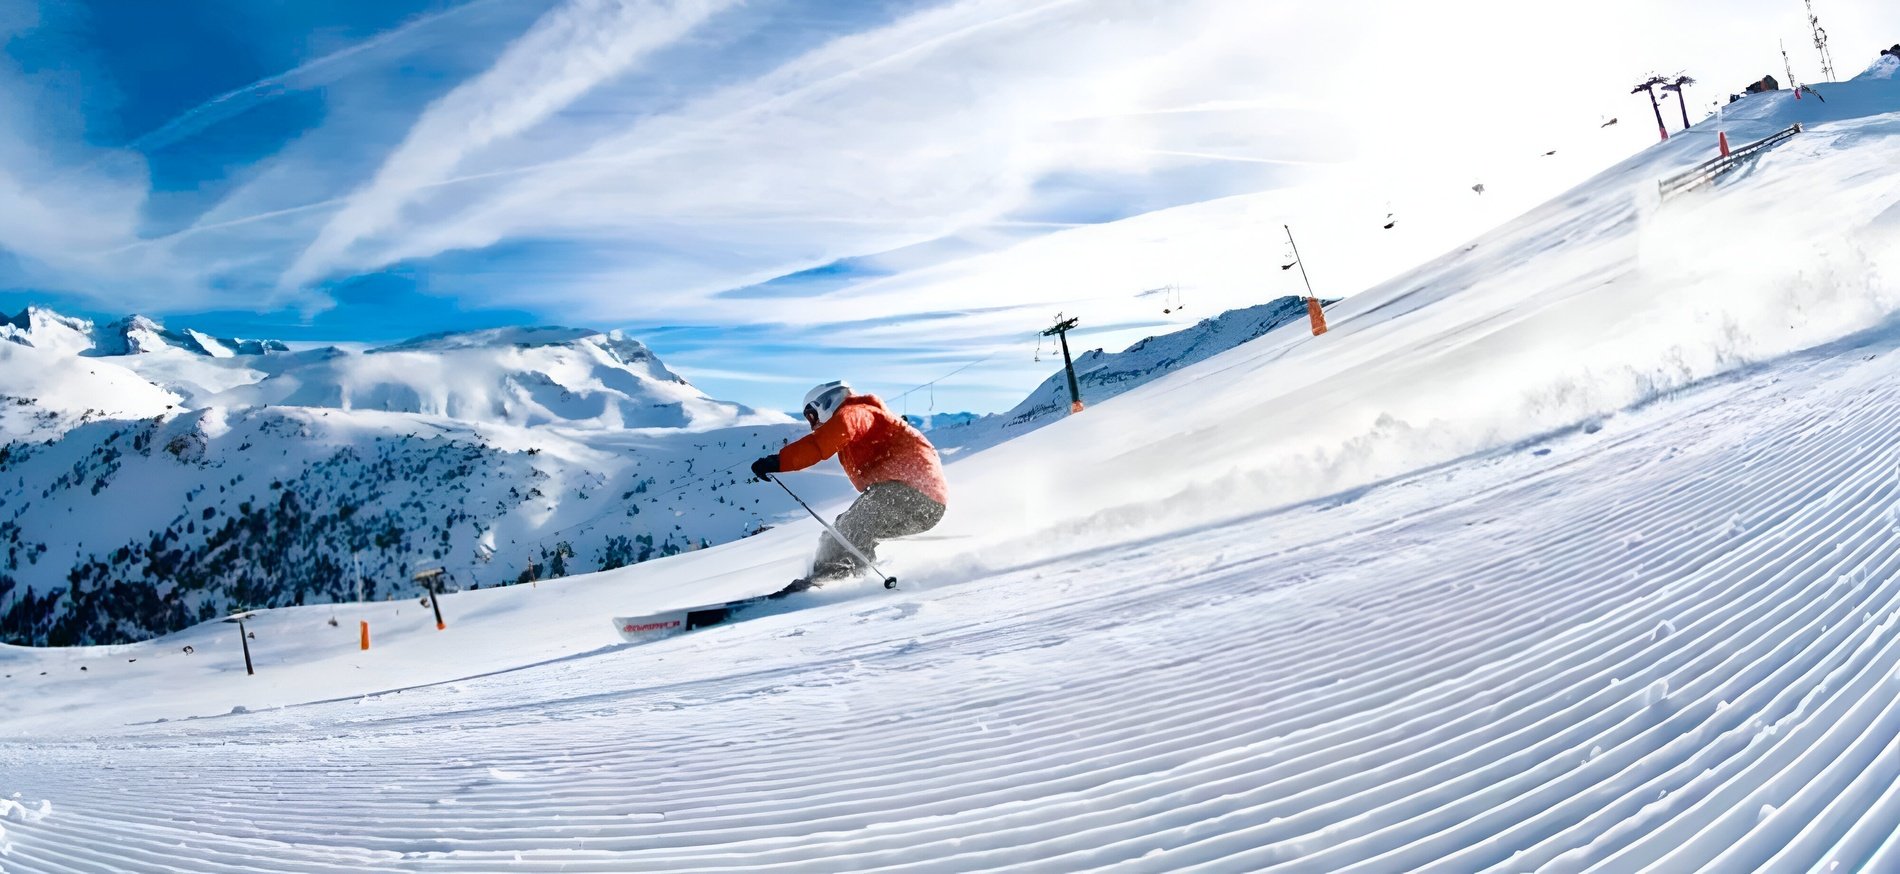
<point x="884" y="511"/>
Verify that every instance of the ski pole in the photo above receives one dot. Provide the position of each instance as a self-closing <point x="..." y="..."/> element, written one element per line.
<point x="890" y="582"/>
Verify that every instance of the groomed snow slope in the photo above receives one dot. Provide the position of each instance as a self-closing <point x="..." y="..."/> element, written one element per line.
<point x="1573" y="551"/>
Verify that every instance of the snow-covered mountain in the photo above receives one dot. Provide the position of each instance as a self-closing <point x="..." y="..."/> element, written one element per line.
<point x="934" y="421"/>
<point x="137" y="367"/>
<point x="522" y="376"/>
<point x="1101" y="375"/>
<point x="517" y="376"/>
<point x="215" y="474"/>
<point x="134" y="335"/>
<point x="46" y="392"/>
<point x="190" y="516"/>
<point x="42" y="328"/>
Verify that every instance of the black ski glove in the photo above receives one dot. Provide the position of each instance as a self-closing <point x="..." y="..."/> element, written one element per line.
<point x="765" y="466"/>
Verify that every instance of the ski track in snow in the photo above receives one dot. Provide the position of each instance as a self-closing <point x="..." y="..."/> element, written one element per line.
<point x="1686" y="656"/>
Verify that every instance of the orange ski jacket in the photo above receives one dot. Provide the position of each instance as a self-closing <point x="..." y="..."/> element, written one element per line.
<point x="874" y="446"/>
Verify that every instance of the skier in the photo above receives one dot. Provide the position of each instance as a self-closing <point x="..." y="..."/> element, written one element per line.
<point x="890" y="462"/>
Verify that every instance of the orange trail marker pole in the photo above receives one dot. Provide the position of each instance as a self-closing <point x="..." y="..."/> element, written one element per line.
<point x="363" y="625"/>
<point x="1313" y="313"/>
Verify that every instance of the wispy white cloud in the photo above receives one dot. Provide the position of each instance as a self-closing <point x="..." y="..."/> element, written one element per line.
<point x="312" y="73"/>
<point x="75" y="215"/>
<point x="942" y="120"/>
<point x="568" y="52"/>
<point x="60" y="204"/>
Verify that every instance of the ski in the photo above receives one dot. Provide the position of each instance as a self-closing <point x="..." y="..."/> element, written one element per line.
<point x="657" y="626"/>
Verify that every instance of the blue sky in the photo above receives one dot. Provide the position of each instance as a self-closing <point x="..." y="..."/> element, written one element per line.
<point x="778" y="192"/>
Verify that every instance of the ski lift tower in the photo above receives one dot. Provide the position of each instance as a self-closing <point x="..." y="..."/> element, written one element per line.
<point x="431" y="580"/>
<point x="1649" y="87"/>
<point x="1682" y="100"/>
<point x="1061" y="332"/>
<point x="244" y="637"/>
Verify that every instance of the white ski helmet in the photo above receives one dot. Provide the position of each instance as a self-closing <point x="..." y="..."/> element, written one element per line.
<point x="823" y="401"/>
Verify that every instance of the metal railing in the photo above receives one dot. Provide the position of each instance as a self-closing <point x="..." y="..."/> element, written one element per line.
<point x="1712" y="169"/>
